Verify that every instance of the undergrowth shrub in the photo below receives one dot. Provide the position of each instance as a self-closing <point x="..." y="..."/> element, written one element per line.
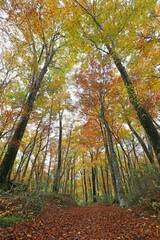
<point x="145" y="187"/>
<point x="84" y="203"/>
<point x="105" y="200"/>
<point x="8" y="221"/>
<point x="36" y="199"/>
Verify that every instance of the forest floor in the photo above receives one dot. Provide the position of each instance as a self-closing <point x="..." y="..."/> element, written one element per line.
<point x="89" y="223"/>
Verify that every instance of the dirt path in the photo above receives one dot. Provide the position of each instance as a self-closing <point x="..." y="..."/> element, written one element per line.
<point x="88" y="223"/>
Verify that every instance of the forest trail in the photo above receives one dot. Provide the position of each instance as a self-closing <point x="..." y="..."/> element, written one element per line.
<point x="88" y="223"/>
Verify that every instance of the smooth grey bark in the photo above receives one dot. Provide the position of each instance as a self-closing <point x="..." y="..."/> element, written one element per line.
<point x="40" y="149"/>
<point x="48" y="174"/>
<point x="149" y="147"/>
<point x="118" y="179"/>
<point x="21" y="164"/>
<point x="13" y="147"/>
<point x="83" y="193"/>
<point x="85" y="181"/>
<point x="90" y="187"/>
<point x="85" y="184"/>
<point x="41" y="171"/>
<point x="74" y="178"/>
<point x="47" y="145"/>
<point x="126" y="156"/>
<point x="10" y="135"/>
<point x="94" y="192"/>
<point x="94" y="185"/>
<point x="143" y="115"/>
<point x="109" y="188"/>
<point x="30" y="152"/>
<point x="119" y="187"/>
<point x="104" y="133"/>
<point x="145" y="149"/>
<point x="66" y="161"/>
<point x="97" y="180"/>
<point x="103" y="180"/>
<point x="66" y="178"/>
<point x="122" y="170"/>
<point x="72" y="181"/>
<point x="56" y="183"/>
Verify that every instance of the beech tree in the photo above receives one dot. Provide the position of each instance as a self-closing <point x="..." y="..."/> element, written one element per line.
<point x="95" y="83"/>
<point x="91" y="146"/>
<point x="41" y="39"/>
<point x="62" y="104"/>
<point x="118" y="36"/>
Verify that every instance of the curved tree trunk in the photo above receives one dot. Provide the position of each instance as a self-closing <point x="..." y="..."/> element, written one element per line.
<point x="144" y="117"/>
<point x="150" y="157"/>
<point x="13" y="147"/>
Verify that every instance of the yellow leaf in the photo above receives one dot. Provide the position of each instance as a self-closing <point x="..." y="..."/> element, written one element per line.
<point x="29" y="235"/>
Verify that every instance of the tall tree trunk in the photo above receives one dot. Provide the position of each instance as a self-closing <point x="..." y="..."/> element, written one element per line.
<point x="93" y="180"/>
<point x="94" y="184"/>
<point x="109" y="187"/>
<point x="103" y="132"/>
<point x="120" y="191"/>
<point x="23" y="158"/>
<point x="97" y="180"/>
<point x="126" y="157"/>
<point x="10" y="135"/>
<point x="66" y="161"/>
<point x="119" y="187"/>
<point x="47" y="145"/>
<point x="40" y="149"/>
<point x="103" y="180"/>
<point x="90" y="187"/>
<point x="66" y="178"/>
<point x="149" y="147"/>
<point x="111" y="168"/>
<point x="122" y="170"/>
<point x="83" y="193"/>
<point x="144" y="117"/>
<point x="48" y="174"/>
<point x="56" y="183"/>
<point x="13" y="147"/>
<point x="145" y="149"/>
<point x="72" y="179"/>
<point x="85" y="182"/>
<point x="30" y="152"/>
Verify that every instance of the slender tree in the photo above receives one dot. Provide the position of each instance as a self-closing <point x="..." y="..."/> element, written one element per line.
<point x="42" y="42"/>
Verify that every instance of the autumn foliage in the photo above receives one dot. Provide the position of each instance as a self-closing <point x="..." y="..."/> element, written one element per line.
<point x="79" y="104"/>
